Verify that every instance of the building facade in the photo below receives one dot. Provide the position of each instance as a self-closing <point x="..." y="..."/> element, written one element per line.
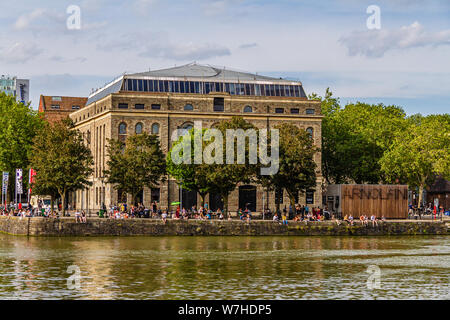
<point x="162" y="101"/>
<point x="19" y="88"/>
<point x="56" y="108"/>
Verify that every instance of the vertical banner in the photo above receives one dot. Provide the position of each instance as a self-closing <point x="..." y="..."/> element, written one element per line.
<point x="5" y="180"/>
<point x="19" y="189"/>
<point x="31" y="176"/>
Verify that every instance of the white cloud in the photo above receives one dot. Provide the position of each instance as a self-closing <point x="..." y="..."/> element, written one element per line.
<point x="40" y="15"/>
<point x="19" y="52"/>
<point x="375" y="43"/>
<point x="158" y="45"/>
<point x="248" y="45"/>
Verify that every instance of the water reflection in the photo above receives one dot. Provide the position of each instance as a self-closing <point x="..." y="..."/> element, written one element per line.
<point x="224" y="267"/>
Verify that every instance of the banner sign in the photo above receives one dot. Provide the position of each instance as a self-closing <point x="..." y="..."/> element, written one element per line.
<point x="5" y="181"/>
<point x="19" y="175"/>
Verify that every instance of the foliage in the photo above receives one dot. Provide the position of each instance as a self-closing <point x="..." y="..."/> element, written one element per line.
<point x="354" y="139"/>
<point x="420" y="153"/>
<point x="62" y="161"/>
<point x="19" y="125"/>
<point x="189" y="176"/>
<point x="135" y="164"/>
<point x="297" y="168"/>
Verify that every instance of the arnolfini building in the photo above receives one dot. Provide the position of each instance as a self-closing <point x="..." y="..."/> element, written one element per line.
<point x="162" y="101"/>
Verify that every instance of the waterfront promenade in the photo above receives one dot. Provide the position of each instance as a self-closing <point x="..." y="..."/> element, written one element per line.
<point x="39" y="226"/>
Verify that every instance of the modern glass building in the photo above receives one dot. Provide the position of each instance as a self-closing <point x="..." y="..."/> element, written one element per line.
<point x="18" y="88"/>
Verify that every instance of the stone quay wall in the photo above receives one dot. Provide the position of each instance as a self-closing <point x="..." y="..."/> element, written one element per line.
<point x="146" y="227"/>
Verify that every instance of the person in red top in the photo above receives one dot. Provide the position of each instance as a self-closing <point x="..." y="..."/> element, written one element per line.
<point x="20" y="206"/>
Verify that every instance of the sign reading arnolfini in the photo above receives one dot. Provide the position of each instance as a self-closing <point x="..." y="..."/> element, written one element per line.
<point x="5" y="181"/>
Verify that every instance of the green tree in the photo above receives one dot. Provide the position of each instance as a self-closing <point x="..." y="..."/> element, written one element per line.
<point x="354" y="139"/>
<point x="19" y="125"/>
<point x="224" y="178"/>
<point x="420" y="153"/>
<point x="297" y="168"/>
<point x="62" y="161"/>
<point x="135" y="164"/>
<point x="189" y="176"/>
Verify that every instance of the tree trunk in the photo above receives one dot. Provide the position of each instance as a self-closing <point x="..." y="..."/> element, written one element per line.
<point x="420" y="196"/>
<point x="202" y="198"/>
<point x="225" y="204"/>
<point x="63" y="203"/>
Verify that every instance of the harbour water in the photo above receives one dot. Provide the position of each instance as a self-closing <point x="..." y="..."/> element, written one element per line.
<point x="225" y="267"/>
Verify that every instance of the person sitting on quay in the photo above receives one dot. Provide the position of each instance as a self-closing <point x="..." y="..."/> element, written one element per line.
<point x="284" y="218"/>
<point x="164" y="216"/>
<point x="275" y="218"/>
<point x="374" y="220"/>
<point x="83" y="216"/>
<point x="77" y="216"/>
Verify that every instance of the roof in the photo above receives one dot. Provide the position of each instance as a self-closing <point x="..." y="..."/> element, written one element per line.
<point x="64" y="103"/>
<point x="192" y="71"/>
<point x="205" y="72"/>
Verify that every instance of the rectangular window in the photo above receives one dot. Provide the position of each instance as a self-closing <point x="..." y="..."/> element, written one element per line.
<point x="309" y="197"/>
<point x="282" y="92"/>
<point x="141" y="85"/>
<point x="287" y="89"/>
<point x="232" y="88"/>
<point x="135" y="86"/>
<point x="54" y="98"/>
<point x="166" y="86"/>
<point x="257" y="90"/>
<point x="55" y="107"/>
<point x="247" y="89"/>
<point x="139" y="106"/>
<point x="155" y="195"/>
<point x="295" y="111"/>
<point x="279" y="110"/>
<point x="75" y="107"/>
<point x="219" y="104"/>
<point x="177" y="86"/>
<point x="310" y="111"/>
<point x="160" y="86"/>
<point x="217" y="84"/>
<point x="227" y="87"/>
<point x="197" y="87"/>
<point x="123" y="105"/>
<point x="272" y="90"/>
<point x="129" y="85"/>
<point x="150" y="86"/>
<point x="207" y="88"/>
<point x="182" y="86"/>
<point x="145" y="85"/>
<point x="277" y="90"/>
<point x="267" y="91"/>
<point x="156" y="107"/>
<point x="297" y="92"/>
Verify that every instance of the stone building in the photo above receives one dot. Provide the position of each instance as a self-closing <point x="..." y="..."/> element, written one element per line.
<point x="56" y="108"/>
<point x="162" y="101"/>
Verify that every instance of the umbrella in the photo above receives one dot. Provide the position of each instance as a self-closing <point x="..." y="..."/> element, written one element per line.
<point x="175" y="203"/>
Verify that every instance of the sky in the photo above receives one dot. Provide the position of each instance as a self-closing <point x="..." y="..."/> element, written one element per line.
<point x="327" y="43"/>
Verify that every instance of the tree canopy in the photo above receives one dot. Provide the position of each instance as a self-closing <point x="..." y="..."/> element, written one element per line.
<point x="135" y="164"/>
<point x="62" y="161"/>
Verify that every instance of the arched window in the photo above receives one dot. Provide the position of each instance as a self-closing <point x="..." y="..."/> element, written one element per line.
<point x="310" y="132"/>
<point x="123" y="128"/>
<point x="248" y="109"/>
<point x="138" y="128"/>
<point x="155" y="128"/>
<point x="187" y="126"/>
<point x="188" y="107"/>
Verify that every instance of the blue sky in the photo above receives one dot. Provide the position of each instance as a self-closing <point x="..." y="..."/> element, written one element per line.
<point x="322" y="43"/>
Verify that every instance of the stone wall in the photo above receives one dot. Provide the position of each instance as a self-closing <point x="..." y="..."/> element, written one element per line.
<point x="135" y="227"/>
